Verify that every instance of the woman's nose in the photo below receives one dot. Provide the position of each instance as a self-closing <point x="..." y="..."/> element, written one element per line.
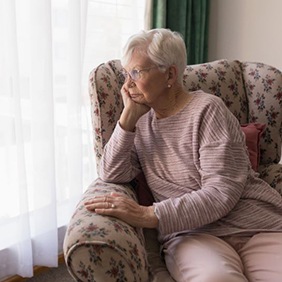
<point x="129" y="82"/>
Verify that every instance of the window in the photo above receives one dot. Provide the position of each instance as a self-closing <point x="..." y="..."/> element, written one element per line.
<point x="47" y="49"/>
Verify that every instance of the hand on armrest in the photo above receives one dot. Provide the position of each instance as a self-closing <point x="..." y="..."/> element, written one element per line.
<point x="124" y="208"/>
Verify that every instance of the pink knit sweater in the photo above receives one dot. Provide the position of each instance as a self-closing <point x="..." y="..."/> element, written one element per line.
<point x="197" y="167"/>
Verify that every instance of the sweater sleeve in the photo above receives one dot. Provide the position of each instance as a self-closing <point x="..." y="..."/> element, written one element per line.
<point x="223" y="166"/>
<point x="119" y="162"/>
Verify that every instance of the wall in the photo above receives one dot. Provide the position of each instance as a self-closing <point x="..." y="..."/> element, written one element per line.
<point x="248" y="30"/>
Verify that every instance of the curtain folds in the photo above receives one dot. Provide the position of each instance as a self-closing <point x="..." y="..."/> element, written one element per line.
<point x="188" y="17"/>
<point x="41" y="159"/>
<point x="47" y="49"/>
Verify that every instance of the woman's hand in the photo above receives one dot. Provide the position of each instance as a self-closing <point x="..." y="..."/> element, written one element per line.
<point x="132" y="110"/>
<point x="124" y="208"/>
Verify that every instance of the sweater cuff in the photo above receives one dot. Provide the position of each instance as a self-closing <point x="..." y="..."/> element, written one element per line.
<point x="167" y="224"/>
<point x="122" y="136"/>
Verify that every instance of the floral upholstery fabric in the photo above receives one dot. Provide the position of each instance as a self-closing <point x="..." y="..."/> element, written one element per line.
<point x="105" y="83"/>
<point x="264" y="91"/>
<point x="102" y="248"/>
<point x="223" y="79"/>
<point x="95" y="248"/>
<point x="272" y="174"/>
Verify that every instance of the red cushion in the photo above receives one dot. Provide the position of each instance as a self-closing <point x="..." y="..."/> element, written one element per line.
<point x="253" y="132"/>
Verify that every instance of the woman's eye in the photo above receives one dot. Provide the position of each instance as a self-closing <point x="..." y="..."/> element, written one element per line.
<point x="135" y="73"/>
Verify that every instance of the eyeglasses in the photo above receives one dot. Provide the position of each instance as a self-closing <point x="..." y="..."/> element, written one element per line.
<point x="135" y="74"/>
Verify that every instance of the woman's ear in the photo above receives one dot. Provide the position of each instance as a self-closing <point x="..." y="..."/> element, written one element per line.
<point x="172" y="74"/>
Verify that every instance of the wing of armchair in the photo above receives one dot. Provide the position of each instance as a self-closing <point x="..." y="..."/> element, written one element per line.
<point x="101" y="248"/>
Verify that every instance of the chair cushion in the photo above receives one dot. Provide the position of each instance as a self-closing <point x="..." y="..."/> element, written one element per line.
<point x="253" y="132"/>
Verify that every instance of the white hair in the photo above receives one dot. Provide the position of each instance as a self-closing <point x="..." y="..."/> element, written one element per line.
<point x="162" y="46"/>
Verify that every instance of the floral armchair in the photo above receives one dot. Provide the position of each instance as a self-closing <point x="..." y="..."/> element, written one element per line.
<point x="102" y="248"/>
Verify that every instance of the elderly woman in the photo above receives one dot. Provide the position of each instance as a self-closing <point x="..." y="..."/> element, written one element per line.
<point x="217" y="221"/>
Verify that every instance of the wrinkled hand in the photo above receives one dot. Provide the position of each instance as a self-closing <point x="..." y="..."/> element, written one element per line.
<point x="124" y="208"/>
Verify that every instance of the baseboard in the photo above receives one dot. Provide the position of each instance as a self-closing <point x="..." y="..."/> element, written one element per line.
<point x="37" y="270"/>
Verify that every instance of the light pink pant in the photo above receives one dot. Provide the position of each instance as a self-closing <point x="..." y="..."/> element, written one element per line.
<point x="205" y="258"/>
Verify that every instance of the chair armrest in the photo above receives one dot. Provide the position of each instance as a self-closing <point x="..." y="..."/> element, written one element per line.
<point x="272" y="174"/>
<point x="103" y="248"/>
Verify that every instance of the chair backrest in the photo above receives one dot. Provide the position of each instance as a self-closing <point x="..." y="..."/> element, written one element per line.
<point x="252" y="91"/>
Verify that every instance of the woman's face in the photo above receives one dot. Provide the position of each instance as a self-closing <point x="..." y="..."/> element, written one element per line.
<point x="151" y="86"/>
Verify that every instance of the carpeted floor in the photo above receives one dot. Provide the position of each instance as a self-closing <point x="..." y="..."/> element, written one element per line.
<point x="59" y="274"/>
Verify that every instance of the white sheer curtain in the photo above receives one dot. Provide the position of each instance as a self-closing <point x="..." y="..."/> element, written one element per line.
<point x="47" y="49"/>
